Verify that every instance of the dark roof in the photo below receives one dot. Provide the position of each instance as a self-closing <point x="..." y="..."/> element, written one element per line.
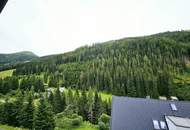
<point x="2" y="4"/>
<point x="138" y="113"/>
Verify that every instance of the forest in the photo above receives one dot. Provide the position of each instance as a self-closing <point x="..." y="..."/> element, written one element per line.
<point x="65" y="91"/>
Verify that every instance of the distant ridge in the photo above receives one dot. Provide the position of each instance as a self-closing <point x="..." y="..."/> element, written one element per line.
<point x="15" y="58"/>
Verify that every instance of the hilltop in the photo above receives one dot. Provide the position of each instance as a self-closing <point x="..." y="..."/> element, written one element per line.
<point x="7" y="60"/>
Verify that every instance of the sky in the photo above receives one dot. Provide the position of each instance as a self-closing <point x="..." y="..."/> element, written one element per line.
<point x="56" y="26"/>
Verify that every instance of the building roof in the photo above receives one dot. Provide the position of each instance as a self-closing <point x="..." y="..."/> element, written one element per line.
<point x="2" y="4"/>
<point x="138" y="113"/>
<point x="179" y="122"/>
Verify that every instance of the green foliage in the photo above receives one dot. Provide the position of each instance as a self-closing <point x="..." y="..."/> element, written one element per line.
<point x="96" y="108"/>
<point x="83" y="105"/>
<point x="9" y="83"/>
<point x="5" y="127"/>
<point x="27" y="112"/>
<point x="70" y="97"/>
<point x="182" y="86"/>
<point x="124" y="67"/>
<point x="6" y="73"/>
<point x="58" y="102"/>
<point x="43" y="117"/>
<point x="67" y="120"/>
<point x="53" y="81"/>
<point x="104" y="122"/>
<point x="154" y="66"/>
<point x="27" y="82"/>
<point x="86" y="126"/>
<point x="9" y="60"/>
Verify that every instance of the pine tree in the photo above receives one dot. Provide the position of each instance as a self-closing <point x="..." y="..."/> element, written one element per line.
<point x="131" y="89"/>
<point x="43" y="117"/>
<point x="96" y="108"/>
<point x="70" y="97"/>
<point x="39" y="86"/>
<point x="90" y="99"/>
<point x="58" y="105"/>
<point x="83" y="107"/>
<point x="53" y="81"/>
<point x="7" y="113"/>
<point x="18" y="106"/>
<point x="51" y="98"/>
<point x="27" y="112"/>
<point x="77" y="100"/>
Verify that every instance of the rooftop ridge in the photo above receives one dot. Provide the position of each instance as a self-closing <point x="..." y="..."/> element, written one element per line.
<point x="150" y="99"/>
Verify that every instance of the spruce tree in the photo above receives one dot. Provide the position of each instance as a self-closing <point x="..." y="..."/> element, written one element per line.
<point x="70" y="97"/>
<point x="77" y="100"/>
<point x="96" y="109"/>
<point x="83" y="107"/>
<point x="18" y="106"/>
<point x="27" y="112"/>
<point x="43" y="117"/>
<point x="58" y="105"/>
<point x="50" y="98"/>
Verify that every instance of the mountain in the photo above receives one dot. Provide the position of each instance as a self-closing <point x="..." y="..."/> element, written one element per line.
<point x="155" y="65"/>
<point x="15" y="58"/>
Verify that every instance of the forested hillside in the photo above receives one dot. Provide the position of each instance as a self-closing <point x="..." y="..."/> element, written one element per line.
<point x="131" y="66"/>
<point x="9" y="60"/>
<point x="73" y="90"/>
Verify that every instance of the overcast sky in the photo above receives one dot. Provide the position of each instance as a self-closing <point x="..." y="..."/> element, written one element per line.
<point x="57" y="26"/>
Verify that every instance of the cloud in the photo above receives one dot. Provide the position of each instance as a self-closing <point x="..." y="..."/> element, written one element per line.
<point x="56" y="26"/>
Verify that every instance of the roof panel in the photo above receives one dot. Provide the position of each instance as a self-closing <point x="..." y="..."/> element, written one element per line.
<point x="156" y="124"/>
<point x="163" y="125"/>
<point x="178" y="121"/>
<point x="138" y="113"/>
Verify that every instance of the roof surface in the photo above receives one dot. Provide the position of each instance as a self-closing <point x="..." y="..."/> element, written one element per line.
<point x="138" y="113"/>
<point x="2" y="4"/>
<point x="181" y="122"/>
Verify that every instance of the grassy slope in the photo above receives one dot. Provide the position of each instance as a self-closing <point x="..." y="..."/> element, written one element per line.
<point x="105" y="96"/>
<point x="86" y="126"/>
<point x="5" y="127"/>
<point x="6" y="73"/>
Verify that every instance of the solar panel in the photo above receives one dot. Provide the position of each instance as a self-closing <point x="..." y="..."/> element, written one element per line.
<point x="163" y="125"/>
<point x="156" y="125"/>
<point x="173" y="106"/>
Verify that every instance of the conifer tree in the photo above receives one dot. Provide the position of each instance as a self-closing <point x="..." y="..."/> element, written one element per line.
<point x="96" y="108"/>
<point x="43" y="117"/>
<point x="51" y="98"/>
<point x="27" y="112"/>
<point x="70" y="97"/>
<point x="77" y="100"/>
<point x="83" y="107"/>
<point x="18" y="106"/>
<point x="58" y="105"/>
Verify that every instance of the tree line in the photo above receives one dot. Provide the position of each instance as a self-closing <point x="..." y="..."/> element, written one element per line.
<point x="38" y="112"/>
<point x="22" y="82"/>
<point x="134" y="66"/>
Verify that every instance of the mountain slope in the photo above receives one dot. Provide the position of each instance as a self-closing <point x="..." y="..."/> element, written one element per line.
<point x="137" y="66"/>
<point x="14" y="58"/>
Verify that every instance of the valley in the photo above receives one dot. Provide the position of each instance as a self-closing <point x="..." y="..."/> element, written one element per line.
<point x="74" y="90"/>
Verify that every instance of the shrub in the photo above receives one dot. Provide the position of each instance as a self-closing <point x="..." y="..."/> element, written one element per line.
<point x="66" y="121"/>
<point x="77" y="121"/>
<point x="103" y="126"/>
<point x="104" y="118"/>
<point x="104" y="122"/>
